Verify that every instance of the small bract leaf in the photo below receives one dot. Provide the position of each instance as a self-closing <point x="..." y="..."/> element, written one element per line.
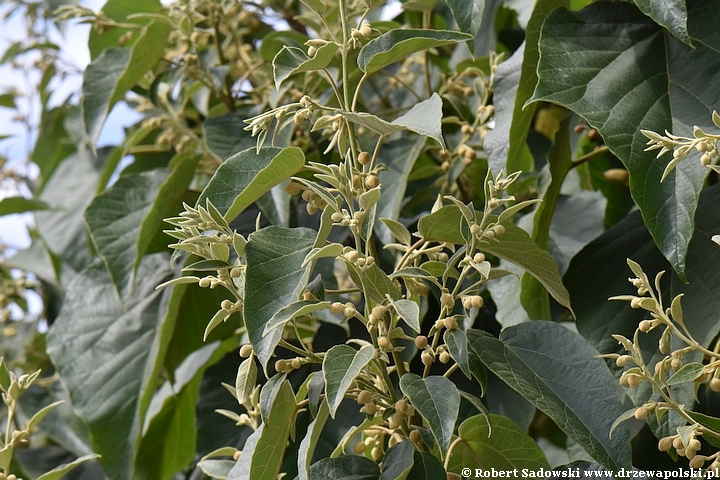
<point x="294" y="310"/>
<point x="341" y="365"/>
<point x="246" y="380"/>
<point x="408" y="311"/>
<point x="687" y="373"/>
<point x="59" y="472"/>
<point x="292" y="60"/>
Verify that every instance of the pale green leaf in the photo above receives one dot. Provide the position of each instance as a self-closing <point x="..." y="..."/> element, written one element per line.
<point x="687" y="373"/>
<point x="438" y="401"/>
<point x="424" y="118"/>
<point x="456" y="342"/>
<point x="115" y="71"/>
<point x="341" y="365"/>
<point x="409" y="311"/>
<point x="294" y="310"/>
<point x="345" y="467"/>
<point x="508" y="447"/>
<point x="397" y="44"/>
<point x="246" y="176"/>
<point x="274" y="279"/>
<point x="246" y="380"/>
<point x="216" y="469"/>
<point x="292" y="60"/>
<point x="41" y="414"/>
<point x="308" y="444"/>
<point x="262" y="458"/>
<point x="59" y="472"/>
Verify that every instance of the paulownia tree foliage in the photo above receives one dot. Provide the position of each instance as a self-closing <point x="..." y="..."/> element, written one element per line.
<point x="351" y="238"/>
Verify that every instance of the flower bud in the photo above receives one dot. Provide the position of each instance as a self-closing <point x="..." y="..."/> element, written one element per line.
<point x="427" y="358"/>
<point x="641" y="413"/>
<point x="499" y="229"/>
<point x="383" y="343"/>
<point x="475" y="229"/>
<point x="293" y="188"/>
<point x="415" y="437"/>
<point x="698" y="461"/>
<point x="359" y="448"/>
<point x="444" y="357"/>
<point x="364" y="397"/>
<point x="447" y="300"/>
<point x="677" y="443"/>
<point x="401" y="406"/>
<point x="451" y="323"/>
<point x="372" y="181"/>
<point x="421" y="342"/>
<point x="645" y="325"/>
<point x="337" y="308"/>
<point x="379" y="311"/>
<point x="364" y="158"/>
<point x="371" y="408"/>
<point x="246" y="350"/>
<point x="705" y="159"/>
<point x="715" y="384"/>
<point x="665" y="443"/>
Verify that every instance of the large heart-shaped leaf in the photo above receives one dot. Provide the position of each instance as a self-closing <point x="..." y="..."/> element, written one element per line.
<point x="438" y="401"/>
<point x="341" y="365"/>
<point x="504" y="446"/>
<point x="671" y="14"/>
<point x="115" y="71"/>
<point x="246" y="176"/>
<point x="556" y="370"/>
<point x="621" y="87"/>
<point x="125" y="218"/>
<point x="101" y="348"/>
<point x="605" y="260"/>
<point x="397" y="44"/>
<point x="275" y="277"/>
<point x="292" y="60"/>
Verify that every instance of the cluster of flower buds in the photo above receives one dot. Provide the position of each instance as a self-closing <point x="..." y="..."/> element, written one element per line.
<point x="704" y="143"/>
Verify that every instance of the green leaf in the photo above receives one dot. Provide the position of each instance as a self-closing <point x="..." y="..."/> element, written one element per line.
<point x="556" y="370"/>
<point x="11" y="205"/>
<point x="294" y="310"/>
<point x="398" y="461"/>
<point x="515" y="81"/>
<point x="374" y="282"/>
<point x="292" y="60"/>
<point x="275" y="277"/>
<point x="623" y="88"/>
<point x="605" y="260"/>
<point x="409" y="311"/>
<point x="712" y="423"/>
<point x="216" y="469"/>
<point x="456" y="342"/>
<point x="169" y="436"/>
<point x="119" y="11"/>
<point x="687" y="373"/>
<point x="426" y="467"/>
<point x="345" y="467"/>
<point x="467" y="14"/>
<point x="62" y="470"/>
<point x="424" y="118"/>
<point x="506" y="448"/>
<point x="69" y="192"/>
<point x="246" y="176"/>
<point x="397" y="44"/>
<point x="5" y="379"/>
<point x="341" y="365"/>
<point x="102" y="349"/>
<point x="437" y="400"/>
<point x="671" y="14"/>
<point x="273" y="42"/>
<point x="7" y="100"/>
<point x="53" y="143"/>
<point x="125" y="219"/>
<point x="115" y="71"/>
<point x="41" y="414"/>
<point x="246" y="380"/>
<point x="263" y="460"/>
<point x="515" y="245"/>
<point x="308" y="444"/>
<point x="398" y="230"/>
<point x="225" y="134"/>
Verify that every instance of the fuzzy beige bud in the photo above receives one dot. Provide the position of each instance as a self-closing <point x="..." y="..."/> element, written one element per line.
<point x="246" y="350"/>
<point x="364" y="158"/>
<point x="421" y="342"/>
<point x="427" y="358"/>
<point x="447" y="300"/>
<point x="372" y="181"/>
<point x="364" y="397"/>
<point x="383" y="343"/>
<point x="451" y="323"/>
